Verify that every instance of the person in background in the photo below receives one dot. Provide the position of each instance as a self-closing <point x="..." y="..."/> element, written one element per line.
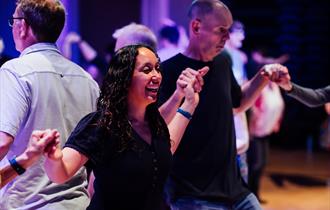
<point x="38" y="90"/>
<point x="205" y="174"/>
<point x="259" y="57"/>
<point x="126" y="141"/>
<point x="311" y="98"/>
<point x="183" y="36"/>
<point x="239" y="59"/>
<point x="264" y="120"/>
<point x="92" y="57"/>
<point x="134" y="34"/>
<point x="233" y="47"/>
<point x="169" y="40"/>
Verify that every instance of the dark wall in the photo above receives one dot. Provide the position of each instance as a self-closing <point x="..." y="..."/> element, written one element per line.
<point x="7" y="8"/>
<point x="100" y="18"/>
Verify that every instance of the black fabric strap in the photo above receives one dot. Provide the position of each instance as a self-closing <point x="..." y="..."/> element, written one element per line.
<point x="185" y="113"/>
<point x="17" y="167"/>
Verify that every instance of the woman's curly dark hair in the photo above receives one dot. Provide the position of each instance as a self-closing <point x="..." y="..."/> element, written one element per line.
<point x="112" y="103"/>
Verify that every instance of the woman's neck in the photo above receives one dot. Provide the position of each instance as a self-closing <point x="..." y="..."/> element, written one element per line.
<point x="136" y="114"/>
<point x="136" y="117"/>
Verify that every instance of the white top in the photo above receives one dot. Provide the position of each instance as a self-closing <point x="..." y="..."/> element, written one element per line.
<point x="41" y="89"/>
<point x="240" y="119"/>
<point x="267" y="111"/>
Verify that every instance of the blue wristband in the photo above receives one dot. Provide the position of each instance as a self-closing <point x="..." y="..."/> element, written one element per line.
<point x="185" y="113"/>
<point x="17" y="167"/>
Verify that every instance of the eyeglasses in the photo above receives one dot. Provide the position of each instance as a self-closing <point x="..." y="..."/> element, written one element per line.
<point x="11" y="20"/>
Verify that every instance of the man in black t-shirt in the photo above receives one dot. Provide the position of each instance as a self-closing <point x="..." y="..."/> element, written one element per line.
<point x="204" y="173"/>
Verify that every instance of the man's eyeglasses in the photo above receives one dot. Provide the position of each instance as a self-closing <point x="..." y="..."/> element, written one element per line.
<point x="11" y="20"/>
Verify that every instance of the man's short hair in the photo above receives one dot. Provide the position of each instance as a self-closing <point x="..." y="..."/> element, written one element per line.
<point x="200" y="8"/>
<point x="45" y="17"/>
<point x="136" y="34"/>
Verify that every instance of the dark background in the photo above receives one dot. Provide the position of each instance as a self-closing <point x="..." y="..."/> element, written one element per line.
<point x="297" y="27"/>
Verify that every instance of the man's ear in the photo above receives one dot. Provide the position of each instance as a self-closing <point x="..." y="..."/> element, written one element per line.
<point x="195" y="25"/>
<point x="24" y="29"/>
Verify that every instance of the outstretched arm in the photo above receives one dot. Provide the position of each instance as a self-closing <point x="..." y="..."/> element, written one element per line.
<point x="252" y="89"/>
<point x="261" y="59"/>
<point x="86" y="49"/>
<point x="60" y="165"/>
<point x="70" y="39"/>
<point x="38" y="142"/>
<point x="308" y="96"/>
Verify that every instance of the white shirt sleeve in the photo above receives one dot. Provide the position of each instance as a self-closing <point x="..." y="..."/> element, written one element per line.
<point x="13" y="101"/>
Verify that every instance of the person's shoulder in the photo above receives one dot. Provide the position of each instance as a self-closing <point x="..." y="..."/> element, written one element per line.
<point x="87" y="123"/>
<point x="15" y="66"/>
<point x="173" y="60"/>
<point x="224" y="55"/>
<point x="91" y="118"/>
<point x="223" y="59"/>
<point x="174" y="65"/>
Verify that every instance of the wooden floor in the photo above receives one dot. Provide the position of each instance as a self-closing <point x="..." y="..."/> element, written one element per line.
<point x="296" y="180"/>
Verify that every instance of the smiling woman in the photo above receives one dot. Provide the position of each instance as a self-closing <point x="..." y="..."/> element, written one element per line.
<point x="126" y="142"/>
<point x="146" y="79"/>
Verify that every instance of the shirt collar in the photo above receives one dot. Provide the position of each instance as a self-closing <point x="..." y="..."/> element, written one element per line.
<point x="39" y="47"/>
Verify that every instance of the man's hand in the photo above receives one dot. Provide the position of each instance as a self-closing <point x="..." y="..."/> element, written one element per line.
<point x="279" y="74"/>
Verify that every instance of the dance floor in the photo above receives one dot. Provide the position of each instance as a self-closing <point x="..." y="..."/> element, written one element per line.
<point x="296" y="180"/>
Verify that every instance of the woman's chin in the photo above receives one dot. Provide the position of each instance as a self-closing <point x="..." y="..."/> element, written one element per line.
<point x="152" y="98"/>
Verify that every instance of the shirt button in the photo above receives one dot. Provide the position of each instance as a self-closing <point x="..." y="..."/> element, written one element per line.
<point x="154" y="160"/>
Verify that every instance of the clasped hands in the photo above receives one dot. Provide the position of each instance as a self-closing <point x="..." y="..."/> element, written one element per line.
<point x="44" y="142"/>
<point x="277" y="73"/>
<point x="190" y="83"/>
